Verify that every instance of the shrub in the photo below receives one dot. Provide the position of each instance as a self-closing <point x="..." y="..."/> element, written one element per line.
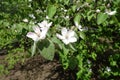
<point x="89" y="38"/>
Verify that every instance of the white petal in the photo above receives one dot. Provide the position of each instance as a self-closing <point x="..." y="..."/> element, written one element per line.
<point x="43" y="36"/>
<point x="79" y="27"/>
<point x="76" y="24"/>
<point x="47" y="17"/>
<point x="98" y="10"/>
<point x="25" y="20"/>
<point x="71" y="33"/>
<point x="72" y="39"/>
<point x="43" y="33"/>
<point x="112" y="13"/>
<point x="66" y="41"/>
<point x="33" y="36"/>
<point x="37" y="30"/>
<point x="44" y="23"/>
<point x="49" y="24"/>
<point x="64" y="31"/>
<point x="40" y="25"/>
<point x="60" y="36"/>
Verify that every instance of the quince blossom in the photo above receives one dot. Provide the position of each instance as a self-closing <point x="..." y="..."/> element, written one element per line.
<point x="68" y="36"/>
<point x="39" y="32"/>
<point x="44" y="26"/>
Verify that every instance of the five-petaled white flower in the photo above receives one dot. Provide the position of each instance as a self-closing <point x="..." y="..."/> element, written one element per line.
<point x="39" y="32"/>
<point x="68" y="36"/>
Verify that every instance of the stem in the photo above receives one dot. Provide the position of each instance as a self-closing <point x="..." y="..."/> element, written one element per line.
<point x="34" y="48"/>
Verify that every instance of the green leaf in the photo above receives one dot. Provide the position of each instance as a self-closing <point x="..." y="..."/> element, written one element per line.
<point x="73" y="62"/>
<point x="101" y="18"/>
<point x="47" y="49"/>
<point x="51" y="10"/>
<point x="77" y="18"/>
<point x="89" y="1"/>
<point x="82" y="35"/>
<point x="72" y="47"/>
<point x="113" y="63"/>
<point x="57" y="41"/>
<point x="93" y="55"/>
<point x="66" y="2"/>
<point x="74" y="8"/>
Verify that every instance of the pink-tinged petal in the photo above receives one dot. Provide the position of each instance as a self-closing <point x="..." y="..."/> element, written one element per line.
<point x="37" y="30"/>
<point x="72" y="39"/>
<point x="32" y="36"/>
<point x="64" y="31"/>
<point x="60" y="36"/>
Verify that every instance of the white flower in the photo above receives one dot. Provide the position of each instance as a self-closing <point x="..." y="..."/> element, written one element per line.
<point x="47" y="17"/>
<point x="32" y="16"/>
<point x="25" y="20"/>
<point x="111" y="12"/>
<point x="36" y="35"/>
<point x="68" y="36"/>
<point x="80" y="27"/>
<point x="98" y="10"/>
<point x="44" y="26"/>
<point x="39" y="32"/>
<point x="108" y="69"/>
<point x="67" y="17"/>
<point x="65" y="10"/>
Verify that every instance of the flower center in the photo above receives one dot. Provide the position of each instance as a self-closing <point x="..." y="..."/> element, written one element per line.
<point x="66" y="36"/>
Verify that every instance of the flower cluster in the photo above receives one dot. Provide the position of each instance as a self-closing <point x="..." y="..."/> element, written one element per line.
<point x="40" y="31"/>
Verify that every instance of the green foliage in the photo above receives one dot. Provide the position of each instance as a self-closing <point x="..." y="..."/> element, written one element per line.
<point x="82" y="35"/>
<point x="51" y="10"/>
<point x="14" y="56"/>
<point x="97" y="47"/>
<point x="101" y="18"/>
<point x="47" y="49"/>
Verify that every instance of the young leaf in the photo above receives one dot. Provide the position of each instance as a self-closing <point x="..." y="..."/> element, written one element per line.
<point x="74" y="8"/>
<point x="82" y="35"/>
<point x="51" y="10"/>
<point x="47" y="49"/>
<point x="77" y="18"/>
<point x="101" y="18"/>
<point x="57" y="41"/>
